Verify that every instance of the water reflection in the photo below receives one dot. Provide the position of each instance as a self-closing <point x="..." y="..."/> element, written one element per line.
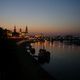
<point x="43" y="55"/>
<point x="50" y="46"/>
<point x="64" y="61"/>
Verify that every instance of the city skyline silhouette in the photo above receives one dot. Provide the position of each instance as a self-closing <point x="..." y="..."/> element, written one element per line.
<point x="47" y="16"/>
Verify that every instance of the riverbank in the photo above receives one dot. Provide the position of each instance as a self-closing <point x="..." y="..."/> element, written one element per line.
<point x="17" y="64"/>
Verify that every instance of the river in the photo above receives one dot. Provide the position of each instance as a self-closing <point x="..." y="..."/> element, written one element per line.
<point x="64" y="60"/>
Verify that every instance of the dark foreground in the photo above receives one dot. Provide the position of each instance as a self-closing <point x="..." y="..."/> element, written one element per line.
<point x="17" y="64"/>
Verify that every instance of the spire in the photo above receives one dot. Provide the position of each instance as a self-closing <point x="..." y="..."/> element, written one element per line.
<point x="14" y="28"/>
<point x="26" y="31"/>
<point x="20" y="30"/>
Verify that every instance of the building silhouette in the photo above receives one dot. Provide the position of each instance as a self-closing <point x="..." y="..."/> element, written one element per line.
<point x="20" y="30"/>
<point x="14" y="28"/>
<point x="26" y="31"/>
<point x="20" y="33"/>
<point x="15" y="33"/>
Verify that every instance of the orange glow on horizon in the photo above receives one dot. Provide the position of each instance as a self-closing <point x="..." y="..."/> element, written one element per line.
<point x="40" y="28"/>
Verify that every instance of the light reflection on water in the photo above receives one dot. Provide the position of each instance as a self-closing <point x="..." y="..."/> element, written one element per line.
<point x="64" y="62"/>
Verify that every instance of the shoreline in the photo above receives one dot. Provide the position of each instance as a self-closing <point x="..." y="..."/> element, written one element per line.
<point x="20" y="65"/>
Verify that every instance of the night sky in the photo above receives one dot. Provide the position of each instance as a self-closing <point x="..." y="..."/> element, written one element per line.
<point x="52" y="16"/>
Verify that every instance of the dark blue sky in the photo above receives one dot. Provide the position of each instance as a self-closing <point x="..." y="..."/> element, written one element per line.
<point x="41" y="15"/>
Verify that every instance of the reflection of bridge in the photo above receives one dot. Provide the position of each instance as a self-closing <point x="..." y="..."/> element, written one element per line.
<point x="67" y="39"/>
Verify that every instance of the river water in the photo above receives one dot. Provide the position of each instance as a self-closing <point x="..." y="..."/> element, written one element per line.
<point x="64" y="60"/>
